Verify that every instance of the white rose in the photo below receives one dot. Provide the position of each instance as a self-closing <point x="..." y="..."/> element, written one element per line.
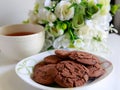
<point x="84" y="30"/>
<point x="45" y="15"/>
<point x="99" y="22"/>
<point x="63" y="12"/>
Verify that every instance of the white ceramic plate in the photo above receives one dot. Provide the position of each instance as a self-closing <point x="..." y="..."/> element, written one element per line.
<point x="24" y="70"/>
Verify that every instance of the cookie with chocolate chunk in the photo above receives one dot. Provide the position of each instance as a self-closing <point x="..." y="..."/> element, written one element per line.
<point x="83" y="57"/>
<point x="70" y="74"/>
<point x="44" y="74"/>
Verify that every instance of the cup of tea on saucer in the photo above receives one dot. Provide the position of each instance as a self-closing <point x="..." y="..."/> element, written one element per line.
<point x="19" y="41"/>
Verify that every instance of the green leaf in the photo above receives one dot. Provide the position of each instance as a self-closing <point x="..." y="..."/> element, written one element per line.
<point x="45" y="22"/>
<point x="36" y="8"/>
<point x="73" y="37"/>
<point x="97" y="38"/>
<point x="78" y="18"/>
<point x="99" y="6"/>
<point x="25" y="21"/>
<point x="71" y="45"/>
<point x="72" y="5"/>
<point x="114" y="9"/>
<point x="48" y="8"/>
<point x="47" y="27"/>
<point x="91" y="10"/>
<point x="50" y="48"/>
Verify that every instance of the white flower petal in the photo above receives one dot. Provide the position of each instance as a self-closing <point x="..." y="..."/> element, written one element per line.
<point x="61" y="42"/>
<point x="47" y="3"/>
<point x="63" y="12"/>
<point x="79" y="43"/>
<point x="60" y="32"/>
<point x="45" y="15"/>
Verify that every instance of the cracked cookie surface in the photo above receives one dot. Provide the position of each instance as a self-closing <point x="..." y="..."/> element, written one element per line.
<point x="71" y="74"/>
<point x="84" y="57"/>
<point x="95" y="70"/>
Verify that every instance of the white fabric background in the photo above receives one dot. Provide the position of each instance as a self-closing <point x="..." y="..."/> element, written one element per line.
<point x="14" y="11"/>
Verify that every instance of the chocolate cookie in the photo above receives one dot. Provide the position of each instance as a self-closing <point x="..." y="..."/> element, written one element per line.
<point x="40" y="64"/>
<point x="44" y="75"/>
<point x="84" y="57"/>
<point x="52" y="59"/>
<point x="62" y="53"/>
<point x="95" y="70"/>
<point x="70" y="74"/>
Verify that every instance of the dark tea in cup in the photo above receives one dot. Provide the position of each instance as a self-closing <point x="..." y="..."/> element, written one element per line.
<point x="20" y="34"/>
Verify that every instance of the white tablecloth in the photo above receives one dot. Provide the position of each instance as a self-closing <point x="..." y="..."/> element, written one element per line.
<point x="10" y="81"/>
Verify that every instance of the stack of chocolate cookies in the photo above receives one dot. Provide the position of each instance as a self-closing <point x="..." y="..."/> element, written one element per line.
<point x="68" y="69"/>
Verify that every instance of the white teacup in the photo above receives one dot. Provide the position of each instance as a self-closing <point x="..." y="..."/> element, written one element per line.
<point x="21" y="40"/>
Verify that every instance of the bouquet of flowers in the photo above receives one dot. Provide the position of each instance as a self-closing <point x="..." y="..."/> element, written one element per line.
<point x="78" y="24"/>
